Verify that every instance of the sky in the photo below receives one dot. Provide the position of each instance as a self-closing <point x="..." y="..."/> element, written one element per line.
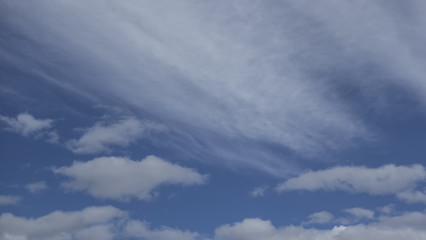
<point x="212" y="120"/>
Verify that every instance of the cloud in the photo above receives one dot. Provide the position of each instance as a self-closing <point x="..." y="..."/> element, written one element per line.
<point x="26" y="125"/>
<point x="254" y="74"/>
<point x="107" y="223"/>
<point x="258" y="191"/>
<point x="412" y="196"/>
<point x="89" y="223"/>
<point x="319" y="218"/>
<point x="142" y="230"/>
<point x="388" y="179"/>
<point x="100" y="138"/>
<point x="405" y="226"/>
<point x="9" y="200"/>
<point x="121" y="178"/>
<point x="360" y="213"/>
<point x="36" y="187"/>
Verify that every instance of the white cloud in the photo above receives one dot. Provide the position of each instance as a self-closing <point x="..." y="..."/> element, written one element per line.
<point x="258" y="191"/>
<point x="25" y="124"/>
<point x="89" y="223"/>
<point x="360" y="213"/>
<point x="121" y="178"/>
<point x="319" y="218"/>
<point x="142" y="230"/>
<point x="101" y="137"/>
<point x="388" y="179"/>
<point x="407" y="226"/>
<point x="36" y="187"/>
<point x="9" y="200"/>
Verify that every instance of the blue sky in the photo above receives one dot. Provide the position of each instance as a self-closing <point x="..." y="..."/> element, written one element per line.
<point x="214" y="120"/>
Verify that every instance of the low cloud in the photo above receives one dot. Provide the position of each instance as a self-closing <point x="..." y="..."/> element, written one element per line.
<point x="405" y="226"/>
<point x="319" y="218"/>
<point x="412" y="196"/>
<point x="388" y="179"/>
<point x="101" y="137"/>
<point x="121" y="178"/>
<point x="9" y="200"/>
<point x="107" y="223"/>
<point x="89" y="223"/>
<point x="25" y="124"/>
<point x="142" y="230"/>
<point x="360" y="213"/>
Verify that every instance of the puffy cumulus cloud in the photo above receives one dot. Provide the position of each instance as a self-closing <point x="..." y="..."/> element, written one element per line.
<point x="142" y="230"/>
<point x="101" y="137"/>
<point x="89" y="223"/>
<point x="9" y="200"/>
<point x="407" y="226"/>
<point x="121" y="178"/>
<point x="388" y="179"/>
<point x="36" y="187"/>
<point x="25" y="124"/>
<point x="319" y="218"/>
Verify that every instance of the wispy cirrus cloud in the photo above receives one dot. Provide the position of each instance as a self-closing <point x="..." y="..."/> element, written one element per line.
<point x="122" y="179"/>
<point x="249" y="74"/>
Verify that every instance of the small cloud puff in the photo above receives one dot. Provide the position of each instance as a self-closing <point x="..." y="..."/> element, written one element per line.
<point x="25" y="124"/>
<point x="36" y="187"/>
<point x="258" y="191"/>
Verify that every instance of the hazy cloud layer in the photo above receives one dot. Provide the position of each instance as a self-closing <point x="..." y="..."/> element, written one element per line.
<point x="101" y="137"/>
<point x="121" y="178"/>
<point x="388" y="179"/>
